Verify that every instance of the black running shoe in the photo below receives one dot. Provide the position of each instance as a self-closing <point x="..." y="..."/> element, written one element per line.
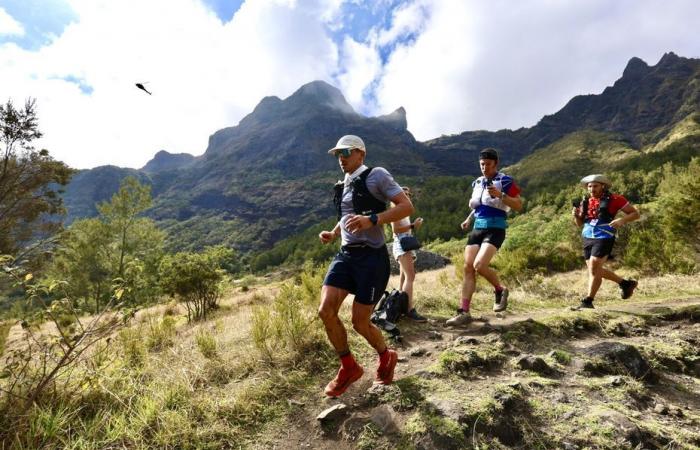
<point x="627" y="287"/>
<point x="414" y="316"/>
<point x="586" y="303"/>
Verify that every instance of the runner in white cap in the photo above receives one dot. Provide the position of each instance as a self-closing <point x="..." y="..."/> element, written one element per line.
<point x="596" y="214"/>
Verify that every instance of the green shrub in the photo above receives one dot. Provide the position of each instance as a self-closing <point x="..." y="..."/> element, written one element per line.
<point x="669" y="238"/>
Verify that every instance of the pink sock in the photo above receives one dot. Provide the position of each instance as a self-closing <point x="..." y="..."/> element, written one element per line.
<point x="465" y="304"/>
<point x="498" y="288"/>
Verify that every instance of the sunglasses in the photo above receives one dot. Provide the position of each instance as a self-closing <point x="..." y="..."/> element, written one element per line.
<point x="344" y="152"/>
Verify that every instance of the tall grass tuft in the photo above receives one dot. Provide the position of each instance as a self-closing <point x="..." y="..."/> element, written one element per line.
<point x="206" y="343"/>
<point x="161" y="333"/>
<point x="4" y="332"/>
<point x="288" y="327"/>
<point x="133" y="347"/>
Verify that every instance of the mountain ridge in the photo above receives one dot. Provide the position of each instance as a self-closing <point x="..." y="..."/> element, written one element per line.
<point x="268" y="177"/>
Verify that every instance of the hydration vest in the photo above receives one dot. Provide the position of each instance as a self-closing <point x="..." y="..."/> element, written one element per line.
<point x="481" y="197"/>
<point x="363" y="202"/>
<point x="604" y="216"/>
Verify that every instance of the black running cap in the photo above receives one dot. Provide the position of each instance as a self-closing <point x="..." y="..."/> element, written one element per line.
<point x="489" y="153"/>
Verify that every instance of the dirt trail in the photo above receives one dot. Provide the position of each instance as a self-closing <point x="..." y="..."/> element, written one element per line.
<point x="652" y="415"/>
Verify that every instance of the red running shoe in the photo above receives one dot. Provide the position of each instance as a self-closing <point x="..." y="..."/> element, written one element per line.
<point x="343" y="380"/>
<point x="385" y="373"/>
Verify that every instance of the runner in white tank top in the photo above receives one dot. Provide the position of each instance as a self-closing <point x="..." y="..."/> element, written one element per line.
<point x="405" y="259"/>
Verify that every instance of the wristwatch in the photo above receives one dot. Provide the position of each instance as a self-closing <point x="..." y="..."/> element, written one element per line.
<point x="373" y="218"/>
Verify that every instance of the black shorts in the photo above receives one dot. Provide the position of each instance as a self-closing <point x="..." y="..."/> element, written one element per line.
<point x="363" y="271"/>
<point x="597" y="247"/>
<point x="493" y="236"/>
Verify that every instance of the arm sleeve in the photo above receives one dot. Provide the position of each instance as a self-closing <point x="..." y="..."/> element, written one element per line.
<point x="509" y="187"/>
<point x="617" y="202"/>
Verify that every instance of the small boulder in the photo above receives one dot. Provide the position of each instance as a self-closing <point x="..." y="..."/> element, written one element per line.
<point x="418" y="351"/>
<point x="627" y="429"/>
<point x="424" y="374"/>
<point x="616" y="358"/>
<point x="385" y="418"/>
<point x="352" y="427"/>
<point x="424" y="261"/>
<point x="662" y="409"/>
<point x="434" y="335"/>
<point x="561" y="397"/>
<point x="535" y="364"/>
<point x="466" y="340"/>
<point x="333" y="413"/>
<point x="617" y="381"/>
<point x="447" y="408"/>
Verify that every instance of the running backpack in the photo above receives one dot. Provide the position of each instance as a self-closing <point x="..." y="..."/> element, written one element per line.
<point x="388" y="311"/>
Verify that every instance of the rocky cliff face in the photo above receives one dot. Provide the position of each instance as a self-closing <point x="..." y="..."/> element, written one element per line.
<point x="642" y="106"/>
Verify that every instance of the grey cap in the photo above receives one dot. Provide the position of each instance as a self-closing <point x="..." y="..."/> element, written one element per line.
<point x="348" y="141"/>
<point x="596" y="178"/>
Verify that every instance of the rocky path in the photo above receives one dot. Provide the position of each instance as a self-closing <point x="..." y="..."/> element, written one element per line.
<point x="623" y="376"/>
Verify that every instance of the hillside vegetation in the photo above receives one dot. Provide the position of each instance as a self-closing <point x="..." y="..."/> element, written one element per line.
<point x="250" y="376"/>
<point x="181" y="310"/>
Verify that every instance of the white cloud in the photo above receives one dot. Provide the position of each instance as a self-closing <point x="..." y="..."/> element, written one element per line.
<point x="9" y="26"/>
<point x="204" y="75"/>
<point x="362" y="66"/>
<point x="501" y="64"/>
<point x="455" y="65"/>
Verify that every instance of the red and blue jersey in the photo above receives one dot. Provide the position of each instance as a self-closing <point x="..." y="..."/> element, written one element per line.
<point x="593" y="227"/>
<point x="491" y="212"/>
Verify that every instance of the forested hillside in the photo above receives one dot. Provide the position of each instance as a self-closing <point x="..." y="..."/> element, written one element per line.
<point x="268" y="178"/>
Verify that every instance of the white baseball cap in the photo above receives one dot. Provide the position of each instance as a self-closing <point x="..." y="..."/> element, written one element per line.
<point x="348" y="141"/>
<point x="596" y="178"/>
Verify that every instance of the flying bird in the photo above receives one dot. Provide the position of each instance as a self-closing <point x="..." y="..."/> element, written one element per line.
<point x="140" y="86"/>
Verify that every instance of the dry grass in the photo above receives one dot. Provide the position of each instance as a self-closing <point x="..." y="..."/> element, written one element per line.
<point x="4" y="332"/>
<point x="180" y="396"/>
<point x="438" y="292"/>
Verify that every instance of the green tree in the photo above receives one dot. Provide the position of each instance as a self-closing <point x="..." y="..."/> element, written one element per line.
<point x="117" y="245"/>
<point x="121" y="216"/>
<point x="30" y="180"/>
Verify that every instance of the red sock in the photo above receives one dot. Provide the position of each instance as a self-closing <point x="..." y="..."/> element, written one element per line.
<point x="347" y="361"/>
<point x="465" y="304"/>
<point x="384" y="356"/>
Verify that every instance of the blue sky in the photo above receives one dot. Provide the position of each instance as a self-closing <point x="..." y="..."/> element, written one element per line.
<point x="41" y="19"/>
<point x="455" y="65"/>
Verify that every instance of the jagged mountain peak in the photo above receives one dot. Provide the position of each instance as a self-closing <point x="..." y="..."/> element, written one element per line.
<point x="164" y="160"/>
<point x="669" y="58"/>
<point x="635" y="68"/>
<point x="396" y="119"/>
<point x="321" y="93"/>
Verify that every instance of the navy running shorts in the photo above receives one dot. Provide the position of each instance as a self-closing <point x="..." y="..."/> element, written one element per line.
<point x="362" y="271"/>
<point x="493" y="236"/>
<point x="597" y="247"/>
